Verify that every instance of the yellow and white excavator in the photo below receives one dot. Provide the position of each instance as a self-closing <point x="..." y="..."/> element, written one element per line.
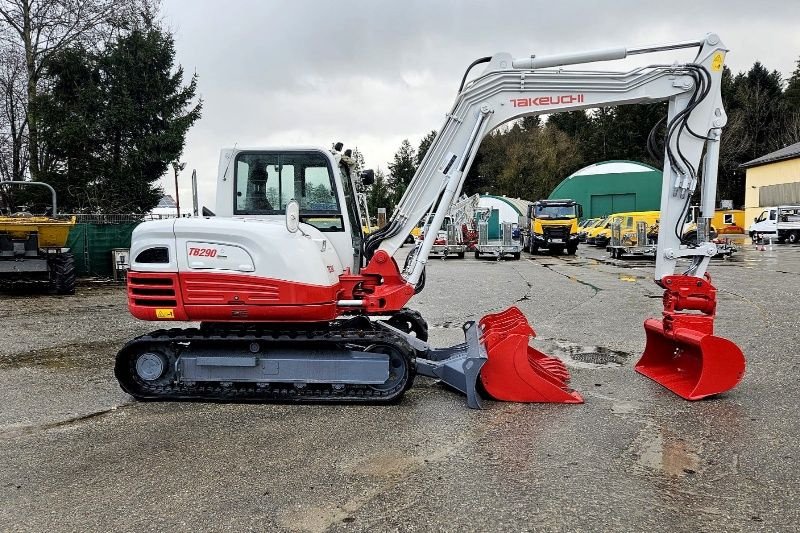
<point x="297" y="304"/>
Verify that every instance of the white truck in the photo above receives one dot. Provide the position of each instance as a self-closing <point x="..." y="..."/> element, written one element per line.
<point x="781" y="223"/>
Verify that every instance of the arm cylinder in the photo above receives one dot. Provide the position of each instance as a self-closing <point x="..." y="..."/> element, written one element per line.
<point x="710" y="166"/>
<point x="570" y="59"/>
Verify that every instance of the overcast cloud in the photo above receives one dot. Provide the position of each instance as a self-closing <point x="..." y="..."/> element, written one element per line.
<point x="371" y="74"/>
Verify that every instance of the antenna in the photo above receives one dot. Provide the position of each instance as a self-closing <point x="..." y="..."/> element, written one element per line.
<point x="225" y="174"/>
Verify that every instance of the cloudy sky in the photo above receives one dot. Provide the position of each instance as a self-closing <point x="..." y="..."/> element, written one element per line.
<point x="372" y="73"/>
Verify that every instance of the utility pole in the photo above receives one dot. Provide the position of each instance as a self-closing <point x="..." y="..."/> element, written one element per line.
<point x="177" y="167"/>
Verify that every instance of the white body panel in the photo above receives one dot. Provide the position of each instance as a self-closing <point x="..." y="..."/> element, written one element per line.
<point x="341" y="241"/>
<point x="252" y="247"/>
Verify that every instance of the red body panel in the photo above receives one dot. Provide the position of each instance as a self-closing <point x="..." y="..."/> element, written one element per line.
<point x="218" y="297"/>
<point x="221" y="297"/>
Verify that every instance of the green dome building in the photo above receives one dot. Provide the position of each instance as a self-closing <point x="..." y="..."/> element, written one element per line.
<point x="613" y="187"/>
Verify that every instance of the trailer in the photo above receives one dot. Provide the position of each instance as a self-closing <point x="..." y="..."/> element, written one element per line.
<point x="645" y="242"/>
<point x="449" y="242"/>
<point x="506" y="246"/>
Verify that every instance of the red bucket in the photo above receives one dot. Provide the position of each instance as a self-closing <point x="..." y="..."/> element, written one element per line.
<point x="682" y="353"/>
<point x="516" y="372"/>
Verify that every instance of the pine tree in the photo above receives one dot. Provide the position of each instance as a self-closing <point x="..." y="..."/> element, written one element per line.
<point x="401" y="170"/>
<point x="379" y="195"/>
<point x="114" y="120"/>
<point x="424" y="144"/>
<point x="792" y="93"/>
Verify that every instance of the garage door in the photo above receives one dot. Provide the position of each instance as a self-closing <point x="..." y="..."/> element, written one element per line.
<point x="605" y="204"/>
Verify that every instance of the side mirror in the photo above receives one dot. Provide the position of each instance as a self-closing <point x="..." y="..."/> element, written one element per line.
<point x="755" y="219"/>
<point x="292" y="216"/>
<point x="367" y="177"/>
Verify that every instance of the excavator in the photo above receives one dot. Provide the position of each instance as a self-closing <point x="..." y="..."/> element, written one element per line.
<point x="295" y="303"/>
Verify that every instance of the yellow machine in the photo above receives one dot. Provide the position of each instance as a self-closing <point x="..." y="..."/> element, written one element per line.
<point x="32" y="248"/>
<point x="724" y="221"/>
<point x="553" y="224"/>
<point x="628" y="223"/>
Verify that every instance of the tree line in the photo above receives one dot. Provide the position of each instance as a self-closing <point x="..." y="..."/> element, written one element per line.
<point x="530" y="157"/>
<point x="93" y="102"/>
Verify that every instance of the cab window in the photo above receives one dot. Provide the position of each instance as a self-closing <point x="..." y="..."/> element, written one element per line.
<point x="266" y="181"/>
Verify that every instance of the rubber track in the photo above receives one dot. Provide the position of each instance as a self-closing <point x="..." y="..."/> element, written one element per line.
<point x="125" y="370"/>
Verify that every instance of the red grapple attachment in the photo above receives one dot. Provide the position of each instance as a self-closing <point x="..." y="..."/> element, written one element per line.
<point x="516" y="372"/>
<point x="682" y="353"/>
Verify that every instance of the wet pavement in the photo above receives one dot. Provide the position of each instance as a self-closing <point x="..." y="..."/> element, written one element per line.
<point x="78" y="454"/>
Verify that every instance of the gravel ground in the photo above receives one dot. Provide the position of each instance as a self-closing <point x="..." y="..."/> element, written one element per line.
<point x="77" y="454"/>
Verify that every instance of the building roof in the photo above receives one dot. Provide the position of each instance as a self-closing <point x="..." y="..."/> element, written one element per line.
<point x="166" y="201"/>
<point x="613" y="167"/>
<point x="789" y="152"/>
<point x="517" y="204"/>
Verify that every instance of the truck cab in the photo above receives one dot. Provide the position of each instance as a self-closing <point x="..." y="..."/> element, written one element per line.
<point x="553" y="224"/>
<point x="765" y="225"/>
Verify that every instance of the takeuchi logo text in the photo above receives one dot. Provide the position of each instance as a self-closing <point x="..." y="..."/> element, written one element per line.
<point x="540" y="101"/>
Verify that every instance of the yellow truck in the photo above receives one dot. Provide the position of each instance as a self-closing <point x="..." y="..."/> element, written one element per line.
<point x="553" y="224"/>
<point x="32" y="248"/>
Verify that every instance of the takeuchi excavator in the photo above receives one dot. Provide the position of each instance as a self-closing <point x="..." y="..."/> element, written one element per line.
<point x="296" y="303"/>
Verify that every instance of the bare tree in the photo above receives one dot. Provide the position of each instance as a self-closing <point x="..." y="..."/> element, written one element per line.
<point x="35" y="30"/>
<point x="13" y="118"/>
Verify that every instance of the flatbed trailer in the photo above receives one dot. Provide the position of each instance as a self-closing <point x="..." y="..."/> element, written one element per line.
<point x="618" y="247"/>
<point x="449" y="245"/>
<point x="499" y="248"/>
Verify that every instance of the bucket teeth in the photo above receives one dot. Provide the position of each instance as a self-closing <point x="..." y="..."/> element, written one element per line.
<point x="517" y="372"/>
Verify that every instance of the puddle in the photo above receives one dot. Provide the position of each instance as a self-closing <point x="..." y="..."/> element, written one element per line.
<point x="660" y="451"/>
<point x="578" y="356"/>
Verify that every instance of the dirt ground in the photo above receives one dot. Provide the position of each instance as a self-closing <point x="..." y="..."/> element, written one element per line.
<point x="78" y="454"/>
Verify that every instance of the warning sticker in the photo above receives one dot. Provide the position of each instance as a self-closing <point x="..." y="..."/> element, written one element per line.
<point x="717" y="61"/>
<point x="165" y="313"/>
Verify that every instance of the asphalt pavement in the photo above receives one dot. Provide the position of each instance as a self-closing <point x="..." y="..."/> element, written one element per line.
<point x="78" y="454"/>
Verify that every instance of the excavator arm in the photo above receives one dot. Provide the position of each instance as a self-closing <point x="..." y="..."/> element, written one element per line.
<point x="510" y="89"/>
<point x="681" y="353"/>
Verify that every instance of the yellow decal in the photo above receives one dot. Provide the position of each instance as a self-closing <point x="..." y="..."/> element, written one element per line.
<point x="165" y="313"/>
<point x="717" y="61"/>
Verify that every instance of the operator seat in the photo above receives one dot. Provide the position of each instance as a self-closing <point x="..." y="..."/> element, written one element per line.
<point x="257" y="188"/>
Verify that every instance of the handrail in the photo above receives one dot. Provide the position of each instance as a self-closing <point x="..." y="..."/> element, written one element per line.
<point x="52" y="190"/>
